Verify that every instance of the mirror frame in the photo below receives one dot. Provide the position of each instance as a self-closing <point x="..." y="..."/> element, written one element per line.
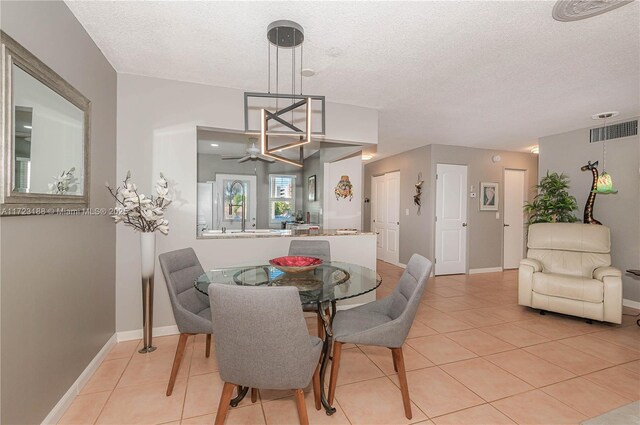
<point x="17" y="203"/>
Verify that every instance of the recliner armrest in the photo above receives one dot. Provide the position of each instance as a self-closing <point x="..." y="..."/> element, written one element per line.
<point x="601" y="272"/>
<point x="532" y="262"/>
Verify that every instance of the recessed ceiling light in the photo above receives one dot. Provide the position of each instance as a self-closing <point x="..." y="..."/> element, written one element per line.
<point x="28" y="126"/>
<point x="535" y="149"/>
<point x="366" y="156"/>
<point x="307" y="72"/>
<point x="214" y="145"/>
<point x="602" y="115"/>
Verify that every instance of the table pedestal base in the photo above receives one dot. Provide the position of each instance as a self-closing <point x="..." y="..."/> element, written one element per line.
<point x="326" y="351"/>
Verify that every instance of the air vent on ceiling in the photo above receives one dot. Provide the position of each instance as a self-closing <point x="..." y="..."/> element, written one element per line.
<point x="614" y="131"/>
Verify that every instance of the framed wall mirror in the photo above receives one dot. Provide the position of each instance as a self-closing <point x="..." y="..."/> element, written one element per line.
<point x="45" y="137"/>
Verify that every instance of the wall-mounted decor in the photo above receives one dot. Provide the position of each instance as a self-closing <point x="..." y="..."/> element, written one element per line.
<point x="417" y="197"/>
<point x="45" y="137"/>
<point x="488" y="196"/>
<point x="344" y="189"/>
<point x="311" y="187"/>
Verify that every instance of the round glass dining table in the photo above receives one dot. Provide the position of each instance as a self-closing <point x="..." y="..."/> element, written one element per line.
<point x="329" y="282"/>
<point x="319" y="289"/>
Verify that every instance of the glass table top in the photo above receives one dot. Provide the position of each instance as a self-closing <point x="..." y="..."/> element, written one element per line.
<point x="332" y="281"/>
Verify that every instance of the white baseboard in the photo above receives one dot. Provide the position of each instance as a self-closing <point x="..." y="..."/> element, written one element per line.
<point x="485" y="270"/>
<point x="631" y="303"/>
<point x="137" y="333"/>
<point x="63" y="404"/>
<point x="404" y="266"/>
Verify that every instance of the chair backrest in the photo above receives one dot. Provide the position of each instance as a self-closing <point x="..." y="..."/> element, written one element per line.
<point x="569" y="248"/>
<point x="407" y="294"/>
<point x="261" y="337"/>
<point x="181" y="268"/>
<point x="317" y="249"/>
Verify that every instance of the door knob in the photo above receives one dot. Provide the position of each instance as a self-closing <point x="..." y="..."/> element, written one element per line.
<point x="464" y="224"/>
<point x="398" y="223"/>
<point x="505" y="225"/>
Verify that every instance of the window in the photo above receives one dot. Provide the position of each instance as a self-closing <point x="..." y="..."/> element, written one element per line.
<point x="282" y="203"/>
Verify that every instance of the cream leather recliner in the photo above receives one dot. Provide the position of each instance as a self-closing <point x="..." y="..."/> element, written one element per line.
<point x="568" y="270"/>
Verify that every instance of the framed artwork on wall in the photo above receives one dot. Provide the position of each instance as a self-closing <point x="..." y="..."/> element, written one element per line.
<point x="488" y="196"/>
<point x="312" y="188"/>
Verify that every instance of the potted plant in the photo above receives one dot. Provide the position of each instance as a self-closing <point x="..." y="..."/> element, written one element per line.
<point x="553" y="203"/>
<point x="145" y="215"/>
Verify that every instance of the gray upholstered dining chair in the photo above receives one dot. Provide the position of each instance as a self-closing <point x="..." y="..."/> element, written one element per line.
<point x="262" y="342"/>
<point x="317" y="249"/>
<point x="190" y="308"/>
<point x="384" y="323"/>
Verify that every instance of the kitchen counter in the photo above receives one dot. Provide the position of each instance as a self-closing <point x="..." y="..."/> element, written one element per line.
<point x="277" y="233"/>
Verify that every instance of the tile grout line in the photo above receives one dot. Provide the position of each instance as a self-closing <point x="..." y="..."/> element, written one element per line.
<point x="116" y="385"/>
<point x="186" y="388"/>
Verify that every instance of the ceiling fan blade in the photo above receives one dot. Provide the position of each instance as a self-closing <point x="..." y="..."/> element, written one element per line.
<point x="265" y="159"/>
<point x="245" y="159"/>
<point x="232" y="156"/>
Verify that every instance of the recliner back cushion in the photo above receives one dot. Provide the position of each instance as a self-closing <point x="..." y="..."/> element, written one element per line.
<point x="569" y="237"/>
<point x="569" y="262"/>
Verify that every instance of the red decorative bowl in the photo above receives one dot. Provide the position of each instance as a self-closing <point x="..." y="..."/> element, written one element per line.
<point x="295" y="264"/>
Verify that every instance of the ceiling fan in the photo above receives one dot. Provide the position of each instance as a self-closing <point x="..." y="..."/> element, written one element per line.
<point x="252" y="153"/>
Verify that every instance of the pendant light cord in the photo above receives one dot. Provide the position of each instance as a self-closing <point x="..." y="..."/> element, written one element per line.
<point x="604" y="145"/>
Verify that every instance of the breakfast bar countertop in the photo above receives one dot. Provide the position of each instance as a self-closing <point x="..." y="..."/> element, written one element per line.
<point x="279" y="233"/>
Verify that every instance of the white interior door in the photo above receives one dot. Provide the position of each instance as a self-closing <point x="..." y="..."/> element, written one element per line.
<point x="392" y="225"/>
<point x="514" y="198"/>
<point x="378" y="213"/>
<point x="385" y="215"/>
<point x="451" y="219"/>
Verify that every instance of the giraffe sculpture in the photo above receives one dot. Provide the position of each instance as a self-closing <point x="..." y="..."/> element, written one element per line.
<point x="588" y="207"/>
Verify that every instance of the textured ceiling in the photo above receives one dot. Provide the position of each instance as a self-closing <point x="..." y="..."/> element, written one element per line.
<point x="475" y="73"/>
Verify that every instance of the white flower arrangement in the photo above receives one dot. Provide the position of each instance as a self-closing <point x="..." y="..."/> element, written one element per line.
<point x="63" y="183"/>
<point x="145" y="214"/>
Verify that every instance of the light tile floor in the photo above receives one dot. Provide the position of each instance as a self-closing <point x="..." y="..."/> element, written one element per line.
<point x="473" y="357"/>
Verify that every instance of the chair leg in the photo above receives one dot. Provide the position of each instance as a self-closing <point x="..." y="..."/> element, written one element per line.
<point x="207" y="349"/>
<point x="254" y="395"/>
<point x="302" y="408"/>
<point x="316" y="388"/>
<point x="335" y="365"/>
<point x="225" y="399"/>
<point x="395" y="364"/>
<point x="182" y="343"/>
<point x="402" y="377"/>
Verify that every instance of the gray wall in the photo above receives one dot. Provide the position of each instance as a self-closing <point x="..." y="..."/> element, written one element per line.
<point x="414" y="237"/>
<point x="58" y="272"/>
<point x="485" y="231"/>
<point x="313" y="166"/>
<point x="209" y="165"/>
<point x="566" y="153"/>
<point x="417" y="232"/>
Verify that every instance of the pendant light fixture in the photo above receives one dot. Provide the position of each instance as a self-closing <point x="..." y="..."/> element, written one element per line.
<point x="283" y="113"/>
<point x="605" y="182"/>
